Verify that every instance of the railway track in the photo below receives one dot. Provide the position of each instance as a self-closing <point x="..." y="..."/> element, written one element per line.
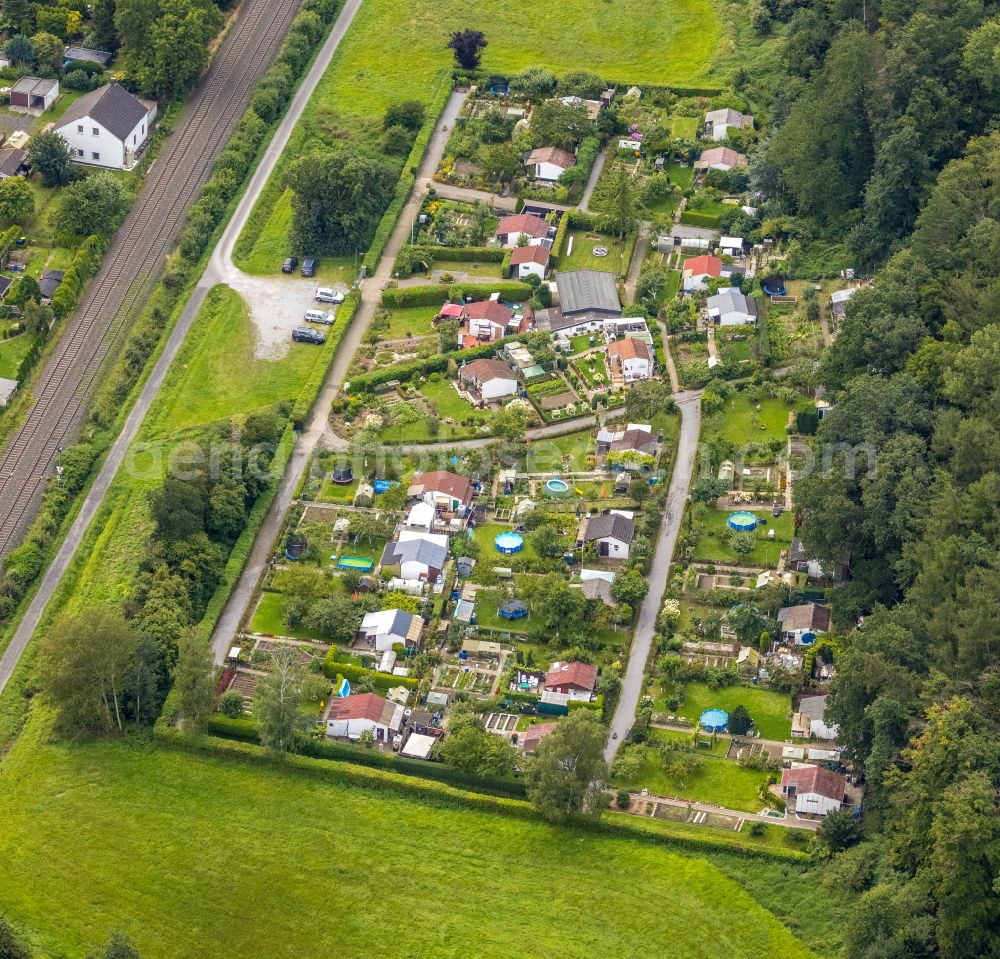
<point x="134" y="261"/>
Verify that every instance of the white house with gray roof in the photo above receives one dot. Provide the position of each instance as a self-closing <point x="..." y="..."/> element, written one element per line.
<point x="108" y="127"/>
<point x="387" y="627"/>
<point x="718" y="123"/>
<point x="613" y="533"/>
<point x="731" y="307"/>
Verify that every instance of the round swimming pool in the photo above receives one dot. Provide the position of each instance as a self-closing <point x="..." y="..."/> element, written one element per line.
<point x="557" y="486"/>
<point x="714" y="720"/>
<point x="509" y="543"/>
<point x="742" y="521"/>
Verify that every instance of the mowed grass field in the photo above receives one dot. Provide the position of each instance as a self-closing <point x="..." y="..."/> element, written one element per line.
<point x="193" y="855"/>
<point x="395" y="50"/>
<point x="217" y="375"/>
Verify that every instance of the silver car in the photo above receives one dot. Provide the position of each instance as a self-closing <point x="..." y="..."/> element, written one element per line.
<point x="325" y="295"/>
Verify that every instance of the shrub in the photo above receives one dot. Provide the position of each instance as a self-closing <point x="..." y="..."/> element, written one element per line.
<point x="623" y="798"/>
<point x="231" y="704"/>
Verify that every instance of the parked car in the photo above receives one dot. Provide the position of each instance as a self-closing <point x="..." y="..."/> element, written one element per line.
<point x="302" y="334"/>
<point x="318" y="316"/>
<point x="309" y="265"/>
<point x="289" y="265"/>
<point x="325" y="295"/>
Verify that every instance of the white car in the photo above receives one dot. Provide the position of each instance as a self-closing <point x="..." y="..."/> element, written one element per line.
<point x="325" y="295"/>
<point x="318" y="316"/>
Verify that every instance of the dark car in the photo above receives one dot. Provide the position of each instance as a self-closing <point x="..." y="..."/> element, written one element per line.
<point x="309" y="265"/>
<point x="289" y="265"/>
<point x="303" y="334"/>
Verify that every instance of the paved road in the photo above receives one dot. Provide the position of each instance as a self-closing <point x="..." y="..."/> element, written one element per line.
<point x="116" y="455"/>
<point x="645" y="627"/>
<point x="316" y="428"/>
<point x="62" y="389"/>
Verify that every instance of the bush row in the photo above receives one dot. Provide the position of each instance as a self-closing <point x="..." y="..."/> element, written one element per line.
<point x="695" y="218"/>
<point x="397" y="297"/>
<point x="462" y="254"/>
<point x="332" y="668"/>
<point x="244" y="730"/>
<point x="268" y="103"/>
<point x="406" y="180"/>
<point x="560" y="238"/>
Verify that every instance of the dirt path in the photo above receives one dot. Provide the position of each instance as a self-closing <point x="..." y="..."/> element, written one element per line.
<point x="639" y="254"/>
<point x="595" y="175"/>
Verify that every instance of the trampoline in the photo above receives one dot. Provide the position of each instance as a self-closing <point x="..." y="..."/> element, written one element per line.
<point x="774" y="286"/>
<point x="509" y="543"/>
<point x="742" y="521"/>
<point x="295" y="546"/>
<point x="513" y="609"/>
<point x="714" y="720"/>
<point x="356" y="562"/>
<point x="342" y="475"/>
<point x="557" y="486"/>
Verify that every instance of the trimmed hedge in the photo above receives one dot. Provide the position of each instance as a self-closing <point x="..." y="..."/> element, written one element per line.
<point x="396" y="297"/>
<point x="694" y="218"/>
<point x="462" y="254"/>
<point x="332" y="669"/>
<point x="406" y="180"/>
<point x="244" y="731"/>
<point x="560" y="239"/>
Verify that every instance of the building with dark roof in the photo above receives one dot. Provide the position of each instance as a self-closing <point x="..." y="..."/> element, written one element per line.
<point x="12" y="162"/>
<point x="613" y="533"/>
<point x="73" y="54"/>
<point x="49" y="282"/>
<point x="108" y="127"/>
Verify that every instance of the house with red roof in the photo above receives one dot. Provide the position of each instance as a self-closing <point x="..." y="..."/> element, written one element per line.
<point x="813" y="790"/>
<point x="699" y="270"/>
<point x="533" y="735"/>
<point x="632" y="358"/>
<point x="526" y="261"/>
<point x="348" y="717"/>
<point x="720" y="158"/>
<point x="549" y="163"/>
<point x="524" y="229"/>
<point x="484" y="322"/>
<point x="488" y="380"/>
<point x="576" y="680"/>
<point x="442" y="489"/>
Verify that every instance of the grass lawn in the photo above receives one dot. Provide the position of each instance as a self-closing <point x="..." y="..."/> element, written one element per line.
<point x="684" y="128"/>
<point x="740" y="422"/>
<point x="716" y="780"/>
<point x="713" y="538"/>
<point x="682" y="176"/>
<point x="12" y="352"/>
<point x="152" y="829"/>
<point x="770" y="711"/>
<point x="488" y="601"/>
<point x="487" y="270"/>
<point x="581" y="255"/>
<point x="410" y="321"/>
<point x="330" y="492"/>
<point x="269" y="617"/>
<point x="581" y="342"/>
<point x="217" y="375"/>
<point x="443" y="396"/>
<point x="552" y="452"/>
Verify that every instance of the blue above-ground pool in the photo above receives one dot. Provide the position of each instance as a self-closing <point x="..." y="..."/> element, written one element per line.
<point x="742" y="521"/>
<point x="557" y="486"/>
<point x="509" y="543"/>
<point x="714" y="720"/>
<point x="513" y="609"/>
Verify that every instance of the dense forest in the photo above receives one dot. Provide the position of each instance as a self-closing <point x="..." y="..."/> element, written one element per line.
<point x="886" y="139"/>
